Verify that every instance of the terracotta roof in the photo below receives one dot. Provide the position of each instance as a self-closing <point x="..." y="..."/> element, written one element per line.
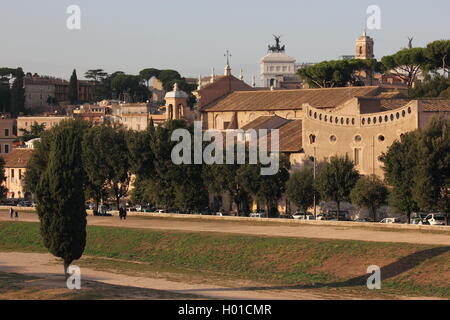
<point x="435" y="105"/>
<point x="290" y="131"/>
<point x="291" y="137"/>
<point x="266" y="122"/>
<point x="288" y="99"/>
<point x="18" y="158"/>
<point x="391" y="104"/>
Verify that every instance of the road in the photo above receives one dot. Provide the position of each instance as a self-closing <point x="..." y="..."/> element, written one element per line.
<point x="265" y="229"/>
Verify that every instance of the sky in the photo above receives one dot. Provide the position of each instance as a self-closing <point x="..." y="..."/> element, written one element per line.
<point x="191" y="36"/>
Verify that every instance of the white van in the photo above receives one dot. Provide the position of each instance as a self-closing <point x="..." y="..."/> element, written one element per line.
<point x="435" y="219"/>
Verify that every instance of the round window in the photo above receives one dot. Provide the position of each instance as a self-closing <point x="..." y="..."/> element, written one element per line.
<point x="358" y="138"/>
<point x="381" y="138"/>
<point x="333" y="138"/>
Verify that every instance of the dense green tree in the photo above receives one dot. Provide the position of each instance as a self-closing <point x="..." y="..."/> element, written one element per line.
<point x="328" y="74"/>
<point x="371" y="193"/>
<point x="184" y="180"/>
<point x="158" y="180"/>
<point x="438" y="54"/>
<point x="38" y="162"/>
<point x="148" y="74"/>
<point x="35" y="131"/>
<point x="60" y="195"/>
<point x="339" y="73"/>
<point x="129" y="88"/>
<point x="364" y="69"/>
<point x="18" y="94"/>
<point x="336" y="180"/>
<point x="167" y="78"/>
<point x="399" y="167"/>
<point x="73" y="88"/>
<point x="433" y="87"/>
<point x="5" y="97"/>
<point x="300" y="189"/>
<point x="107" y="162"/>
<point x="432" y="174"/>
<point x="141" y="154"/>
<point x="7" y="74"/>
<point x="405" y="64"/>
<point x="265" y="188"/>
<point x="97" y="75"/>
<point x="222" y="178"/>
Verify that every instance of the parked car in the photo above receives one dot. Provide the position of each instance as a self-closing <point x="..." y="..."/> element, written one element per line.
<point x="298" y="215"/>
<point x="10" y="202"/>
<point x="390" y="220"/>
<point x="159" y="211"/>
<point x="343" y="215"/>
<point x="424" y="222"/>
<point x="435" y="219"/>
<point x="286" y="216"/>
<point x="24" y="203"/>
<point x="416" y="221"/>
<point x="361" y="220"/>
<point x="148" y="209"/>
<point x="303" y="216"/>
<point x="258" y="215"/>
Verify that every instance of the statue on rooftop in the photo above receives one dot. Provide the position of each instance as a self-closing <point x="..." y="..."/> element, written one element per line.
<point x="277" y="47"/>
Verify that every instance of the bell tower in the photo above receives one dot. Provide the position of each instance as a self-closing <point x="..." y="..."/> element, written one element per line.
<point x="364" y="47"/>
<point x="176" y="104"/>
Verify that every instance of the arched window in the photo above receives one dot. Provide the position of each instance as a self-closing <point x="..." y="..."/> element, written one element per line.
<point x="170" y="112"/>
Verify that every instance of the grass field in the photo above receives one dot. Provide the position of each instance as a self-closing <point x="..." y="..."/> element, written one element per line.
<point x="406" y="269"/>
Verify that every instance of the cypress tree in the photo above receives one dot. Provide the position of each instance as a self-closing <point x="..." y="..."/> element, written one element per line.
<point x="60" y="195"/>
<point x="18" y="94"/>
<point x="73" y="88"/>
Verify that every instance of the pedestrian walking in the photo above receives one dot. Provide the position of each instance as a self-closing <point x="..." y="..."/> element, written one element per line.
<point x="121" y="213"/>
<point x="16" y="215"/>
<point x="11" y="212"/>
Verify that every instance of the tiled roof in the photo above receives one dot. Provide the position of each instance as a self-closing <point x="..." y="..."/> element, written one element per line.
<point x="18" y="158"/>
<point x="435" y="105"/>
<point x="391" y="104"/>
<point x="288" y="99"/>
<point x="266" y="122"/>
<point x="290" y="131"/>
<point x="291" y="137"/>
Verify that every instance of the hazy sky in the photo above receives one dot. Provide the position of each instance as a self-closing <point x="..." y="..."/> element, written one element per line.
<point x="192" y="36"/>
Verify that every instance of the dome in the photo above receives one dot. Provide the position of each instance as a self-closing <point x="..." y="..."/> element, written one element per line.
<point x="176" y="93"/>
<point x="277" y="57"/>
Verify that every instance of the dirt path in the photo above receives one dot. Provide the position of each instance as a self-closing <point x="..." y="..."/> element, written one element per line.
<point x="48" y="270"/>
<point x="303" y="231"/>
